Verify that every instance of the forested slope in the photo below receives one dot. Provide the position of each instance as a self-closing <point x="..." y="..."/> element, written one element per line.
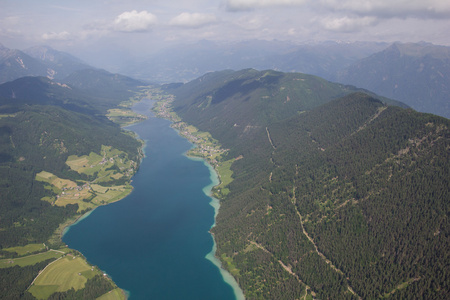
<point x="42" y="124"/>
<point x="339" y="197"/>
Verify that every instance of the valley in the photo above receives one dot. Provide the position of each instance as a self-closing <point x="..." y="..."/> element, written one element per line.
<point x="326" y="190"/>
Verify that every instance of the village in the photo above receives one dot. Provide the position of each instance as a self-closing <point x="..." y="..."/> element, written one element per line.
<point x="207" y="147"/>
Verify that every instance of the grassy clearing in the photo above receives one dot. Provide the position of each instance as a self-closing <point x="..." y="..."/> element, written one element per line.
<point x="65" y="273"/>
<point x="113" y="164"/>
<point x="112" y="194"/>
<point x="224" y="169"/>
<point x="110" y="164"/>
<point x="27" y="249"/>
<point x="230" y="266"/>
<point x="84" y="164"/>
<point x="59" y="183"/>
<point x="7" y="116"/>
<point x="124" y="116"/>
<point x="43" y="292"/>
<point x="29" y="260"/>
<point x="225" y="173"/>
<point x="116" y="294"/>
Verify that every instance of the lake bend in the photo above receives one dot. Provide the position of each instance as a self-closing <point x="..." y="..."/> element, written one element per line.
<point x="155" y="243"/>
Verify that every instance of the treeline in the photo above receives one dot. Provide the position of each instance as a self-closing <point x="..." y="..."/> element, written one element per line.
<point x="368" y="183"/>
<point x="94" y="288"/>
<point x="15" y="281"/>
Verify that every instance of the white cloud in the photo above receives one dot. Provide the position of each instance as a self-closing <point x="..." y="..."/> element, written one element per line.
<point x="387" y="8"/>
<point x="253" y="22"/>
<point x="54" y="36"/>
<point x="348" y="24"/>
<point x="238" y="5"/>
<point x="133" y="21"/>
<point x="186" y="19"/>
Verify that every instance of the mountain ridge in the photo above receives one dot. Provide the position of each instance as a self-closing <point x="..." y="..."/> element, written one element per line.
<point x="309" y="210"/>
<point x="417" y="74"/>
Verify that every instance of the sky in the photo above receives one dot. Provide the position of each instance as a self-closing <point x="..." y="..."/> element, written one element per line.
<point x="140" y="27"/>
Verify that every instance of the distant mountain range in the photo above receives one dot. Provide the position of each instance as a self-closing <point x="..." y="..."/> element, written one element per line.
<point x="186" y="62"/>
<point x="37" y="61"/>
<point x="417" y="74"/>
<point x="42" y="74"/>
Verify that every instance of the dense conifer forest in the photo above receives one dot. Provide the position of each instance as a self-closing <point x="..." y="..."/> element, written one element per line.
<point x="346" y="197"/>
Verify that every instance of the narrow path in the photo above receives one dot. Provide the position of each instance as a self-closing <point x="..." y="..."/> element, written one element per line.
<point x="294" y="200"/>
<point x="376" y="115"/>
<point x="286" y="268"/>
<point x="270" y="140"/>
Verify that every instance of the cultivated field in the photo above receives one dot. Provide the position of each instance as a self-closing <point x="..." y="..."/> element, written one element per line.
<point x="62" y="275"/>
<point x="30" y="259"/>
<point x="27" y="249"/>
<point x="115" y="294"/>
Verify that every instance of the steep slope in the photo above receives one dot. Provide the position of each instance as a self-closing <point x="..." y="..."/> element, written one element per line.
<point x="60" y="64"/>
<point x="15" y="64"/>
<point x="59" y="157"/>
<point x="347" y="199"/>
<point x="416" y="74"/>
<point x="236" y="104"/>
<point x="43" y="91"/>
<point x="106" y="89"/>
<point x="40" y="129"/>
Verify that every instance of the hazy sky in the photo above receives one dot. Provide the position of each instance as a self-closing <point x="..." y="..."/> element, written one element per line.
<point x="136" y="27"/>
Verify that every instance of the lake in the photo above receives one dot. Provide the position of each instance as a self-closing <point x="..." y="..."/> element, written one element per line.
<point x="154" y="242"/>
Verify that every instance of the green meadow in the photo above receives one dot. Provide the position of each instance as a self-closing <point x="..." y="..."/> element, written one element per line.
<point x="27" y="249"/>
<point x="30" y="259"/>
<point x="62" y="275"/>
<point x="225" y="173"/>
<point x="116" y="294"/>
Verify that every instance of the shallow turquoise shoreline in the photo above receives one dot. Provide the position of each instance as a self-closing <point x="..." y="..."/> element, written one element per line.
<point x="211" y="256"/>
<point x="67" y="228"/>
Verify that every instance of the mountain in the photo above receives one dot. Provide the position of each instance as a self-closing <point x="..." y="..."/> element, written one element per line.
<point x="236" y="101"/>
<point x="60" y="64"/>
<point x="49" y="132"/>
<point x="416" y="74"/>
<point x="186" y="62"/>
<point x="334" y="194"/>
<point x="108" y="90"/>
<point x="43" y="91"/>
<point x="15" y="64"/>
<point x="37" y="61"/>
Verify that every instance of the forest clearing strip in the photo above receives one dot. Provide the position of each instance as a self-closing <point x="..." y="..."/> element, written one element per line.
<point x="317" y="249"/>
<point x="286" y="268"/>
<point x="376" y="115"/>
<point x="270" y="139"/>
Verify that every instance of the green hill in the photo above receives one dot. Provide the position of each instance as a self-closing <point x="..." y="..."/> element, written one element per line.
<point x="59" y="157"/>
<point x="335" y="194"/>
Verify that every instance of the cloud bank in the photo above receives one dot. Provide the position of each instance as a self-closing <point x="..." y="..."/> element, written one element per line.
<point x="421" y="9"/>
<point x="133" y="21"/>
<point x="242" y="5"/>
<point x="186" y="19"/>
<point x="53" y="36"/>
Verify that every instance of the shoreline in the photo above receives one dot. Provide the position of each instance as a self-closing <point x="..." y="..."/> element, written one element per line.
<point x="211" y="256"/>
<point x="215" y="203"/>
<point x="71" y="222"/>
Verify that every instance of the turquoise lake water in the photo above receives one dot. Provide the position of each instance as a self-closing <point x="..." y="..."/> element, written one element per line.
<point x="154" y="242"/>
